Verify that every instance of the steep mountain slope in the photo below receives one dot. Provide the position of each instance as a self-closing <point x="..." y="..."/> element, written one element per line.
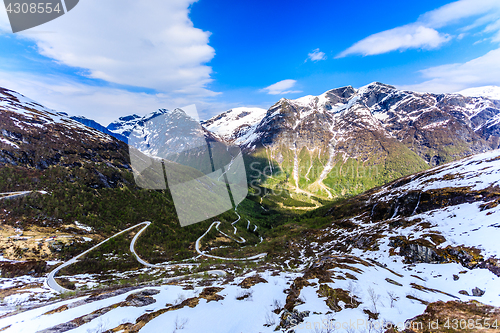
<point x="388" y="253"/>
<point x="61" y="164"/>
<point x="348" y="140"/>
<point x="36" y="137"/>
<point x="74" y="175"/>
<point x="448" y="213"/>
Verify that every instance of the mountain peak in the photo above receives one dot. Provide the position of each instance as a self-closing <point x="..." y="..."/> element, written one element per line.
<point x="342" y="91"/>
<point x="377" y="107"/>
<point x="233" y="125"/>
<point x="380" y="84"/>
<point x="128" y="118"/>
<point x="124" y="125"/>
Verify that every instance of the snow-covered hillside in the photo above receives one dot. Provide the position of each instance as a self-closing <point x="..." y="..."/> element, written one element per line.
<point x="426" y="237"/>
<point x="464" y="221"/>
<point x="458" y="201"/>
<point x="125" y="125"/>
<point x="233" y="125"/>
<point x="492" y="92"/>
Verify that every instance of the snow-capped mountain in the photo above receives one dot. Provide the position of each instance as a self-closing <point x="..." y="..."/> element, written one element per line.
<point x="402" y="115"/>
<point x="231" y="126"/>
<point x="174" y="132"/>
<point x="125" y="125"/>
<point x="492" y="92"/>
<point x="37" y="115"/>
<point x="234" y="125"/>
<point x="385" y="131"/>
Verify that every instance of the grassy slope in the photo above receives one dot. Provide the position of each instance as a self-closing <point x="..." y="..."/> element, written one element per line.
<point x="377" y="162"/>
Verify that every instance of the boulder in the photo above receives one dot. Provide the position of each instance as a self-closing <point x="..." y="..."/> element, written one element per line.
<point x="477" y="292"/>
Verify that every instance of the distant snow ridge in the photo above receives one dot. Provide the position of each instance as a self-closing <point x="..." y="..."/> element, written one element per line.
<point x="312" y="120"/>
<point x="492" y="92"/>
<point x="348" y="114"/>
<point x="235" y="124"/>
<point x="124" y="125"/>
<point x="95" y="125"/>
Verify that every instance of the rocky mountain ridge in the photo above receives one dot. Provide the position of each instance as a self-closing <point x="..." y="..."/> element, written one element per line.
<point x="375" y="134"/>
<point x="95" y="125"/>
<point x="418" y="120"/>
<point x="377" y="126"/>
<point x="403" y="115"/>
<point x="36" y="137"/>
<point x="233" y="125"/>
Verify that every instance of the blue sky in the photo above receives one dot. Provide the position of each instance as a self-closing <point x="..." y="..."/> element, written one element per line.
<point x="114" y="58"/>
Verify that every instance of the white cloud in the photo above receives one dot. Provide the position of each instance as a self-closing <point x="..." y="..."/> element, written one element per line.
<point x="316" y="55"/>
<point x="455" y="11"/>
<point x="481" y="71"/>
<point x="423" y="34"/>
<point x="281" y="88"/>
<point x="401" y="38"/>
<point x="149" y="44"/>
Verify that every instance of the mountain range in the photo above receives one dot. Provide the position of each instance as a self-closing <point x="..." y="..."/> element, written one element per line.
<point x="347" y="140"/>
<point x="341" y="142"/>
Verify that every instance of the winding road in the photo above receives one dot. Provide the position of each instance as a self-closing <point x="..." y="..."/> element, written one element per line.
<point x="51" y="282"/>
<point x="132" y="247"/>
<point x="217" y="223"/>
<point x="13" y="195"/>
